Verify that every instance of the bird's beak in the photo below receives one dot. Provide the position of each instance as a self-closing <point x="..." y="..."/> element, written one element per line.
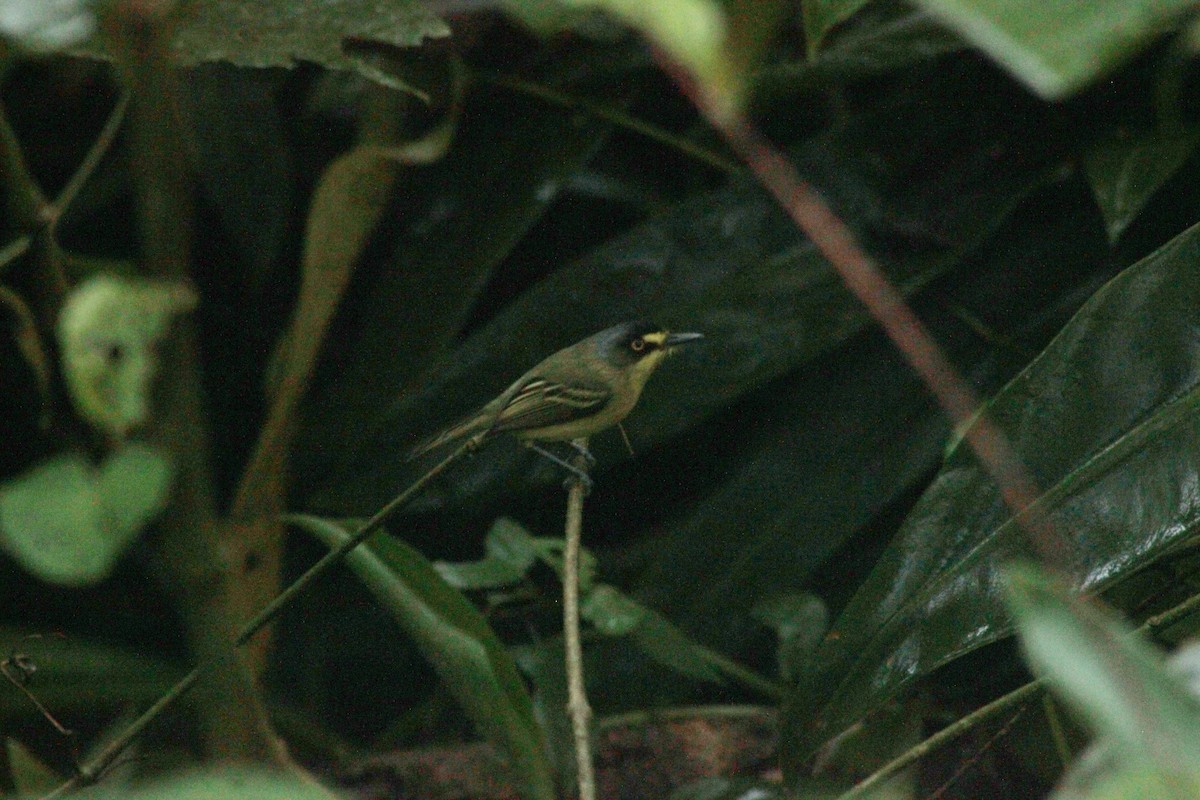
<point x="676" y="339"/>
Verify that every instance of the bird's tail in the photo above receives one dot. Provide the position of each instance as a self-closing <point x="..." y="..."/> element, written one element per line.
<point x="474" y="425"/>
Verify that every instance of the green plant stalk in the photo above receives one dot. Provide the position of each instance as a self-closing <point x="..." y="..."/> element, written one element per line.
<point x="747" y="677"/>
<point x="1054" y="720"/>
<point x="91" y="772"/>
<point x="619" y="118"/>
<point x="578" y="708"/>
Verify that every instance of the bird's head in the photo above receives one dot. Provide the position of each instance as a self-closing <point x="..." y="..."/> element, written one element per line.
<point x="639" y="347"/>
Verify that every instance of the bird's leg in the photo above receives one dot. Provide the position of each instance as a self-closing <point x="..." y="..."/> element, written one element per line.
<point x="579" y="474"/>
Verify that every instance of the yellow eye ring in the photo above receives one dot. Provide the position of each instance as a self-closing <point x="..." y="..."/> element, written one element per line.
<point x="638" y="345"/>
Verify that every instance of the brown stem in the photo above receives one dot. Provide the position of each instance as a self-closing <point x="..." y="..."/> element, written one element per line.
<point x="189" y="555"/>
<point x="863" y="277"/>
<point x="578" y="707"/>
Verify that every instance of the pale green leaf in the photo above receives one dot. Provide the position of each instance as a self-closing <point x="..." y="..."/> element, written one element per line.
<point x="222" y="784"/>
<point x="1058" y="46"/>
<point x="107" y="331"/>
<point x="1117" y="682"/>
<point x="46" y="25"/>
<point x="134" y="485"/>
<point x="511" y="551"/>
<point x="68" y="522"/>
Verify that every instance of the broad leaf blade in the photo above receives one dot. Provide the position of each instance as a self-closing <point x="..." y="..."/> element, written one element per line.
<point x="825" y="458"/>
<point x="1125" y="169"/>
<point x="1106" y="420"/>
<point x="458" y="643"/>
<point x="1059" y="46"/>
<point x="68" y="522"/>
<point x="504" y="168"/>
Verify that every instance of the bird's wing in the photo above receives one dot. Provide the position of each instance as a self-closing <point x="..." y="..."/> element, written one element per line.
<point x="540" y="403"/>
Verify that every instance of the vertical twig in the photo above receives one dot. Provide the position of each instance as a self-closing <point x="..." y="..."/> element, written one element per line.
<point x="578" y="707"/>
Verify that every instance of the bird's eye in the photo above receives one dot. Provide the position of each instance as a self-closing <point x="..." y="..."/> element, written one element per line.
<point x="637" y="345"/>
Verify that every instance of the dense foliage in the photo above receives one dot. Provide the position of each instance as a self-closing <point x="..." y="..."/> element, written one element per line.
<point x="326" y="229"/>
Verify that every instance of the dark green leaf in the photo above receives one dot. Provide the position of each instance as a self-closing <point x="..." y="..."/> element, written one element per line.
<point x="457" y="641"/>
<point x="1059" y="46"/>
<point x="30" y="775"/>
<point x="282" y="33"/>
<point x="615" y="614"/>
<point x="820" y="17"/>
<point x="1125" y="169"/>
<point x="77" y="675"/>
<point x="1106" y="420"/>
<point x="243" y="159"/>
<point x="856" y="453"/>
<point x="800" y="621"/>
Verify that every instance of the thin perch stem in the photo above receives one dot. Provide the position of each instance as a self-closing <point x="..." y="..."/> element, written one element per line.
<point x="89" y="773"/>
<point x="578" y="707"/>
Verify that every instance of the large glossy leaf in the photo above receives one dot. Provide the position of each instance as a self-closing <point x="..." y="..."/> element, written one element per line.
<point x="1106" y="420"/>
<point x="1058" y="46"/>
<point x="854" y="451"/>
<point x="731" y="265"/>
<point x="457" y="642"/>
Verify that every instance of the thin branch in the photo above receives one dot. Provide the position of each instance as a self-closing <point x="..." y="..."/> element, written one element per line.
<point x="95" y="154"/>
<point x="578" y="707"/>
<point x="14" y="250"/>
<point x="744" y="675"/>
<point x="862" y="275"/>
<point x="944" y="737"/>
<point x="978" y="754"/>
<point x="998" y="706"/>
<point x="619" y="118"/>
<point x="91" y="772"/>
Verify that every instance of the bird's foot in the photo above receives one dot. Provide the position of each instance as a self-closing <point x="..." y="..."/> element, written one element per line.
<point x="580" y="447"/>
<point x="578" y="475"/>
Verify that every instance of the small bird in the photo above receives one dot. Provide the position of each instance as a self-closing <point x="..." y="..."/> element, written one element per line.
<point x="574" y="393"/>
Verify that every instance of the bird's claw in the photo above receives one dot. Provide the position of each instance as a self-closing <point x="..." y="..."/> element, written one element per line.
<point x="581" y="479"/>
<point x="580" y="447"/>
<point x="578" y="475"/>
